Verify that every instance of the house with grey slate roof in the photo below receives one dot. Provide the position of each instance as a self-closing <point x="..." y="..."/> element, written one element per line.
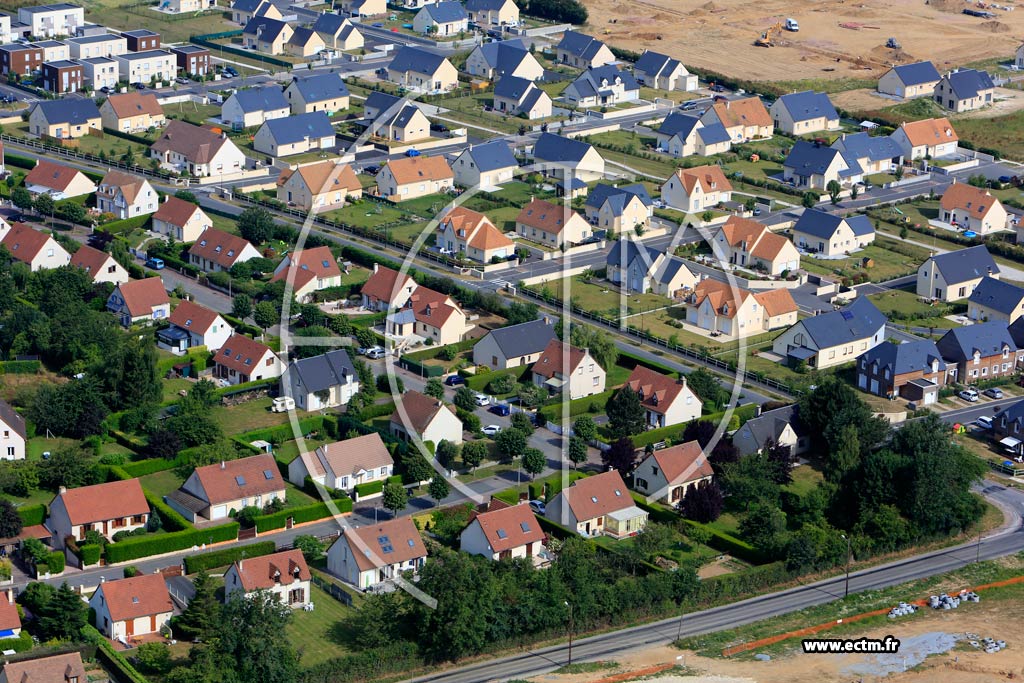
<point x="557" y="155"/>
<point x="682" y="135"/>
<point x="442" y="19"/>
<point x="253" y="107"/>
<point x="910" y="80"/>
<point x="521" y="97"/>
<point x="814" y="165"/>
<point x="872" y="154"/>
<point x="952" y="276"/>
<point x="995" y="300"/>
<point x="965" y="90"/>
<point x="13" y="433"/>
<point x="833" y="338"/>
<point x="493" y="12"/>
<point x="320" y="92"/>
<point x="582" y="51"/>
<point x="422" y="71"/>
<point x="485" y="166"/>
<point x="636" y="268"/>
<point x="514" y="346"/>
<point x="295" y="135"/>
<point x="325" y="381"/>
<point x="914" y="371"/>
<point x="602" y="86"/>
<point x="618" y="208"/>
<point x="781" y="426"/>
<point x="656" y="70"/>
<point x="1008" y="429"/>
<point x="978" y="352"/>
<point x="337" y="32"/>
<point x="804" y="112"/>
<point x="502" y="58"/>
<point x="828" y="234"/>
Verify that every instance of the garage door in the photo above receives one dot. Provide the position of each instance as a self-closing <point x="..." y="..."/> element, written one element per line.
<point x="219" y="512"/>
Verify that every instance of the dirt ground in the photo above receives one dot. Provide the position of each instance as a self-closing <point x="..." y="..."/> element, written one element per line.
<point x="719" y="34"/>
<point x="999" y="620"/>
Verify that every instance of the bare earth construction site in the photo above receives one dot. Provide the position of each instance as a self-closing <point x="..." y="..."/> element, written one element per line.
<point x="836" y="39"/>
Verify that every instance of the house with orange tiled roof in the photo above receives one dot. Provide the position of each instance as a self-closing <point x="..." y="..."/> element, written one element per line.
<point x="58" y="181"/>
<point x="387" y="289"/>
<point x="125" y="195"/>
<point x="37" y="249"/>
<point x="666" y="401"/>
<point x="935" y="138"/>
<point x="343" y="465"/>
<point x="309" y="270"/>
<point x="551" y="224"/>
<point x="744" y="120"/>
<point x="10" y="619"/>
<point x="100" y="265"/>
<point x="562" y="365"/>
<point x="107" y="508"/>
<point x="185" y="148"/>
<point x="194" y="325"/>
<point x="425" y="417"/>
<point x="596" y="506"/>
<point x="217" y="250"/>
<point x="320" y="186"/>
<point x="139" y="301"/>
<point x="972" y="208"/>
<point x="502" y="533"/>
<point x="377" y="553"/>
<point x="749" y="244"/>
<point x="132" y="112"/>
<point x="696" y="189"/>
<point x="181" y="220"/>
<point x="412" y="177"/>
<point x="212" y="492"/>
<point x="242" y="360"/>
<point x="285" y="575"/>
<point x="472" y="235"/>
<point x="428" y="315"/>
<point x="129" y="608"/>
<point x="667" y="474"/>
<point x="720" y="308"/>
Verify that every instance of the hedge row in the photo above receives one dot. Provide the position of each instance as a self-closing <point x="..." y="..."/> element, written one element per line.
<point x="435" y="351"/>
<point x="299" y="515"/>
<point x="729" y="544"/>
<point x="172" y="520"/>
<point x="282" y="433"/>
<point x="112" y="660"/>
<point x="141" y="468"/>
<point x="21" y="367"/>
<point x="55" y="562"/>
<point x="126" y="225"/>
<point x="158" y="544"/>
<point x="32" y="514"/>
<point x="222" y="558"/>
<point x="241" y="326"/>
<point x="377" y="410"/>
<point x="123" y="439"/>
<point x="89" y="553"/>
<point x="19" y="162"/>
<point x="372" y="487"/>
<point x="580" y="406"/>
<point x="479" y="382"/>
<point x="22" y="643"/>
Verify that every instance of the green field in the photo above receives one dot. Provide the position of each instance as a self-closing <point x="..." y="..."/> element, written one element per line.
<point x="247" y="416"/>
<point x="888" y="264"/>
<point x="603" y="297"/>
<point x="172" y="29"/>
<point x="161" y="483"/>
<point x="38" y="445"/>
<point x="316" y="634"/>
<point x="910" y="308"/>
<point x="366" y="214"/>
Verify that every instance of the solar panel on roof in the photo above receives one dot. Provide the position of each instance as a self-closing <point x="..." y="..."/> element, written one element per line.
<point x="383" y="540"/>
<point x="387" y="549"/>
<point x="240" y="480"/>
<point x="502" y="534"/>
<point x="847" y="315"/>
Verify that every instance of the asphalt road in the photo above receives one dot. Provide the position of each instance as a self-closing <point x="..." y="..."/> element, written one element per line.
<point x="537" y="662"/>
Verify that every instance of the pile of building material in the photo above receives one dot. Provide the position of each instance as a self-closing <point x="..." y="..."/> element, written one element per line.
<point x="901" y="610"/>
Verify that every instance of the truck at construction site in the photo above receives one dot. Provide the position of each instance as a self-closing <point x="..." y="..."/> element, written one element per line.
<point x="792" y="25"/>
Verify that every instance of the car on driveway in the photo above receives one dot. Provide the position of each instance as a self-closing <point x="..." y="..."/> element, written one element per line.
<point x="985" y="422"/>
<point x="454" y="380"/>
<point x="970" y="395"/>
<point x="500" y="409"/>
<point x="491" y="430"/>
<point x="155" y="263"/>
<point x="538" y="507"/>
<point x="375" y="352"/>
<point x="994" y="392"/>
<point x="482" y="399"/>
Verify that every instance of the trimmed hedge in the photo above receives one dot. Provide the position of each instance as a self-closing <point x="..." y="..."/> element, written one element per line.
<point x="554" y="484"/>
<point x="111" y="659"/>
<point x="158" y="544"/>
<point x="21" y="367"/>
<point x="19" y="162"/>
<point x="377" y="410"/>
<point x="89" y="553"/>
<point x="222" y="558"/>
<point x="240" y="326"/>
<point x="172" y="520"/>
<point x="32" y="514"/>
<point x="729" y="544"/>
<point x="307" y="513"/>
<point x="479" y="382"/>
<point x="282" y="433"/>
<point x="125" y="225"/>
<point x="141" y="468"/>
<point x="23" y="643"/>
<point x="372" y="487"/>
<point x="55" y="562"/>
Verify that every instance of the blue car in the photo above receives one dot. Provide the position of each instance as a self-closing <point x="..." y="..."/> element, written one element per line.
<point x="155" y="263"/>
<point x="454" y="380"/>
<point x="412" y="153"/>
<point x="500" y="409"/>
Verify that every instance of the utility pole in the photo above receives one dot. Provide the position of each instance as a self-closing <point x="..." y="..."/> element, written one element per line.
<point x="847" y="593"/>
<point x="570" y="632"/>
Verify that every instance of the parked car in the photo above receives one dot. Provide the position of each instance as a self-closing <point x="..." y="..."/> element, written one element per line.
<point x="155" y="263"/>
<point x="985" y="422"/>
<point x="376" y="352"/>
<point x="500" y="409"/>
<point x="182" y="80"/>
<point x="105" y="90"/>
<point x="482" y="399"/>
<point x="491" y="430"/>
<point x="969" y="395"/>
<point x="538" y="506"/>
<point x="994" y="392"/>
<point x="718" y="88"/>
<point x="371" y="170"/>
<point x="757" y="211"/>
<point x="454" y="380"/>
<point x="139" y="86"/>
<point x="412" y="153"/>
<point x="687" y="106"/>
<point x="230" y="72"/>
<point x="439" y="127"/>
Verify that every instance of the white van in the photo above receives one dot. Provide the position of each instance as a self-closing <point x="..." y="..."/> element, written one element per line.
<point x="792" y="25"/>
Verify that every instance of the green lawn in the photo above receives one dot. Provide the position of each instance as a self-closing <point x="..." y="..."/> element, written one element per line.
<point x="519" y="193"/>
<point x="910" y="309"/>
<point x="289" y="450"/>
<point x="469" y="109"/>
<point x="504" y="217"/>
<point x="192" y="112"/>
<point x="112" y="147"/>
<point x="172" y="29"/>
<point x="805" y="479"/>
<point x="247" y="416"/>
<point x="888" y="264"/>
<point x="36" y="446"/>
<point x="366" y="214"/>
<point x="161" y="484"/>
<point x="316" y="634"/>
<point x="603" y="297"/>
<point x="171" y="388"/>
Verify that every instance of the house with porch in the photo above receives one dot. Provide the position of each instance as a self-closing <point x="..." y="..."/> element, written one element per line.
<point x="596" y="506"/>
<point x="562" y="365"/>
<point x="58" y="181"/>
<point x="379" y="553"/>
<point x="139" y="301"/>
<point x="343" y="465"/>
<point x="668" y="473"/>
<point x="833" y="338"/>
<point x="666" y="401"/>
<point x="106" y="508"/>
<point x="284" y="575"/>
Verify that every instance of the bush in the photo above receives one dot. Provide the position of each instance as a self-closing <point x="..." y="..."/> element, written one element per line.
<point x="222" y="558"/>
<point x="299" y="515"/>
<point x="89" y="553"/>
<point x="247" y="516"/>
<point x="372" y="487"/>
<point x="144" y="546"/>
<point x="55" y="562"/>
<point x="32" y="514"/>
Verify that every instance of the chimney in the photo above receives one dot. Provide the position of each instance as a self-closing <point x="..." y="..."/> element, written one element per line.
<point x="375" y="267"/>
<point x="103" y="579"/>
<point x="547" y="320"/>
<point x="989" y="268"/>
<point x="757" y="410"/>
<point x="62" y="489"/>
<point x="222" y="465"/>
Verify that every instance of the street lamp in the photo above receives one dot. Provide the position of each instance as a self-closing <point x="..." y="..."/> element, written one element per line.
<point x="847" y="564"/>
<point x="570" y="631"/>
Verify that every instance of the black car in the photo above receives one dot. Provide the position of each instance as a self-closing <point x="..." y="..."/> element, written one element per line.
<point x="230" y="72"/>
<point x="718" y="88"/>
<point x="140" y="86"/>
<point x="105" y="90"/>
<point x="371" y="170"/>
<point x="439" y="127"/>
<point x="454" y="380"/>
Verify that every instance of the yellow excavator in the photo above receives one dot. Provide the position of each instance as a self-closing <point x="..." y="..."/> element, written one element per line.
<point x="765" y="40"/>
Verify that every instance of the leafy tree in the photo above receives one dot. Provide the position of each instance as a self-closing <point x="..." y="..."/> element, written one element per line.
<point x="241" y="306"/>
<point x="10" y="520"/>
<point x="809" y="200"/>
<point x="577" y="451"/>
<point x="395" y="497"/>
<point x="765" y="527"/>
<point x="473" y="453"/>
<point x="845" y="457"/>
<point x="188" y="196"/>
<point x="384" y="384"/>
<point x="250" y="643"/>
<point x="194" y="429"/>
<point x="521" y="312"/>
<point x="585" y="428"/>
<point x="511" y="443"/>
<point x="569" y="11"/>
<point x="22" y="198"/>
<point x="64" y="616"/>
<point x="833" y="188"/>
<point x="502" y="384"/>
<point x="311" y="546"/>
<point x="43" y="204"/>
<point x="534" y="461"/>
<point x="748" y="482"/>
<point x="459" y="625"/>
<point x="622" y="456"/>
<point x="780" y="461"/>
<point x="703" y="503"/>
<point x="625" y="413"/>
<point x="470" y="421"/>
<point x="854" y="191"/>
<point x="521" y="421"/>
<point x="365" y="337"/>
<point x="75" y="409"/>
<point x="530" y="395"/>
<point x="434" y="388"/>
<point x="438" y="489"/>
<point x="601" y="345"/>
<point x="265" y="315"/>
<point x="826" y="411"/>
<point x="129" y="378"/>
<point x="256" y="224"/>
<point x="465" y="399"/>
<point x="153" y="658"/>
<point x="416" y="467"/>
<point x="708" y="389"/>
<point x="37" y="596"/>
<point x="70" y="467"/>
<point x="446" y="453"/>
